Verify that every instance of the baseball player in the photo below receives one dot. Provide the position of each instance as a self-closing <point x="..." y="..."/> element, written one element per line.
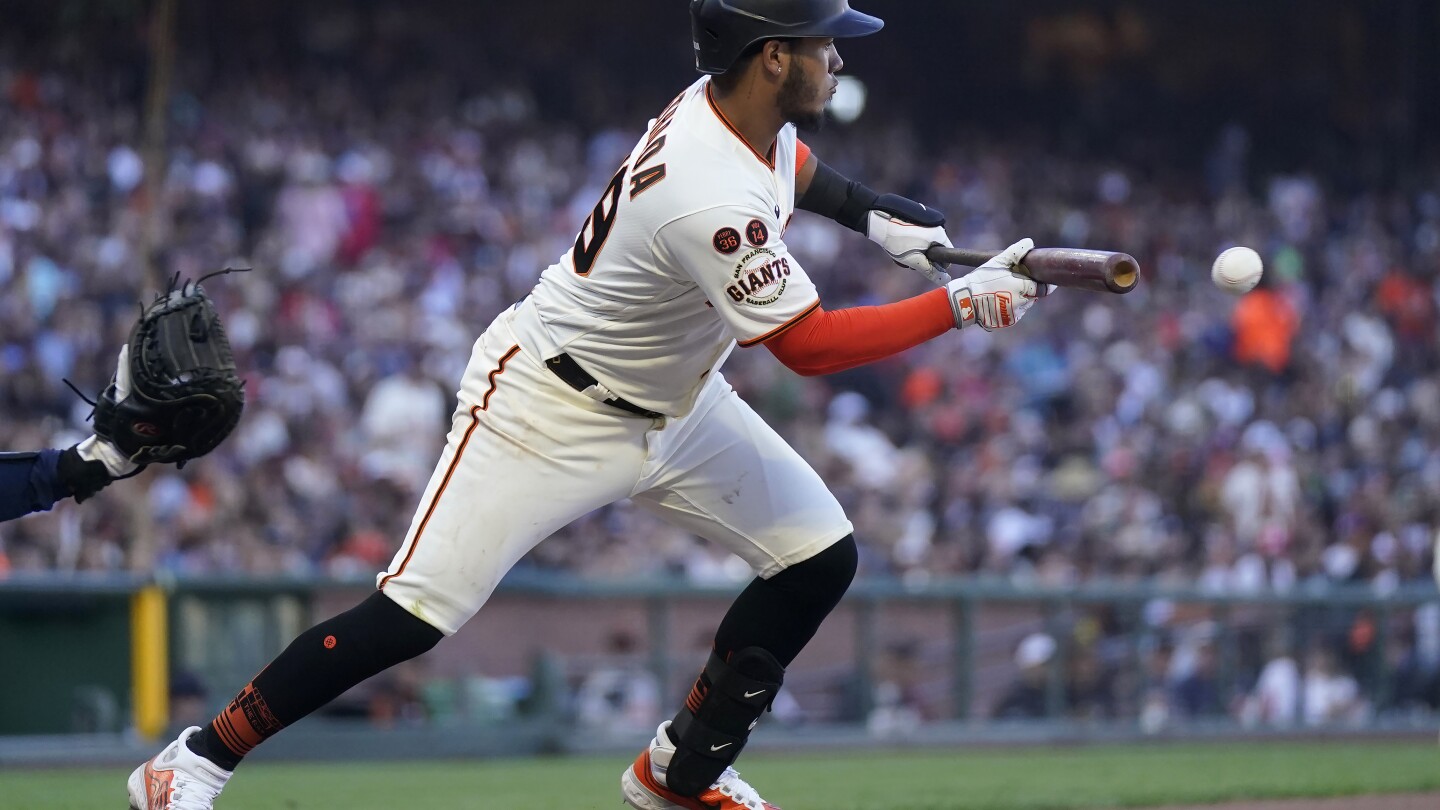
<point x="185" y="400"/>
<point x="604" y="383"/>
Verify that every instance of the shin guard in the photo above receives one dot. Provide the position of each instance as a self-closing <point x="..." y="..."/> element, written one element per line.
<point x="723" y="707"/>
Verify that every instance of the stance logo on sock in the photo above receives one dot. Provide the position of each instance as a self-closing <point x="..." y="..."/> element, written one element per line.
<point x="246" y="722"/>
<point x="257" y="712"/>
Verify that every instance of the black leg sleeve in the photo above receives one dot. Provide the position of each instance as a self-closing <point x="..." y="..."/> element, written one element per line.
<point x="318" y="666"/>
<point x="770" y="623"/>
<point x="781" y="614"/>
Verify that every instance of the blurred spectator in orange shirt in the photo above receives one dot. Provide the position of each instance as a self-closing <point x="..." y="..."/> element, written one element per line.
<point x="1265" y="323"/>
<point x="1406" y="302"/>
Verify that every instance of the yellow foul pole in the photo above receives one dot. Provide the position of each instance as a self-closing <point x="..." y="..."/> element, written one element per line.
<point x="150" y="660"/>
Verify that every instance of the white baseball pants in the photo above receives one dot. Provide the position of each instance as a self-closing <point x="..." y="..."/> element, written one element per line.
<point x="527" y="454"/>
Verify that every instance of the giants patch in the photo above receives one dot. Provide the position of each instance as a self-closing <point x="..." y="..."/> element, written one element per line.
<point x="757" y="233"/>
<point x="760" y="278"/>
<point x="726" y="240"/>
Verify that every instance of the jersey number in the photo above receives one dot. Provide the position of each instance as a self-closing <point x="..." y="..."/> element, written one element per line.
<point x="598" y="224"/>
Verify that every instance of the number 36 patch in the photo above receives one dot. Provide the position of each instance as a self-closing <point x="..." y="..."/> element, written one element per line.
<point x="726" y="240"/>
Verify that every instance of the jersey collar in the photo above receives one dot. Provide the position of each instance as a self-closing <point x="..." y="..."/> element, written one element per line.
<point x="715" y="108"/>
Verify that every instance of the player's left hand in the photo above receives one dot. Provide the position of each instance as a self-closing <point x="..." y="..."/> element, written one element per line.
<point x="993" y="295"/>
<point x="907" y="242"/>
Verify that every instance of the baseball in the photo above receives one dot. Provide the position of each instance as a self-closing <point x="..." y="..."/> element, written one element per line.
<point x="1237" y="270"/>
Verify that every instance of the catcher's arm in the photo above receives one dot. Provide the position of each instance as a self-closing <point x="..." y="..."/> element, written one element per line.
<point x="34" y="481"/>
<point x="29" y="482"/>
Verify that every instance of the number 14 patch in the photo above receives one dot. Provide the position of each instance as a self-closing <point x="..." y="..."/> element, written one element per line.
<point x="757" y="233"/>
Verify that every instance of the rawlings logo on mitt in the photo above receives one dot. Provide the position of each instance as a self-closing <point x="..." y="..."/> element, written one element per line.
<point x="176" y="394"/>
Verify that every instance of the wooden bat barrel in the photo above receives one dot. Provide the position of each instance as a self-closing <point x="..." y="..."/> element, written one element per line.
<point x="1097" y="270"/>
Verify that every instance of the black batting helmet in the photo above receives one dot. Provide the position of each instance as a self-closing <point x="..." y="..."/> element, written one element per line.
<point x="723" y="29"/>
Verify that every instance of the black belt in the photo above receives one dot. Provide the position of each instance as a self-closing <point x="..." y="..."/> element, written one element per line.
<point x="578" y="378"/>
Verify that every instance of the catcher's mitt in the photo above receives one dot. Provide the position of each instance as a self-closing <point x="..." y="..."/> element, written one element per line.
<point x="176" y="395"/>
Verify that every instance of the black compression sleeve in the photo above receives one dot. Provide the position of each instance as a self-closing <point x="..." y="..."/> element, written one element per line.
<point x="831" y="195"/>
<point x="318" y="666"/>
<point x="849" y="202"/>
<point x="782" y="613"/>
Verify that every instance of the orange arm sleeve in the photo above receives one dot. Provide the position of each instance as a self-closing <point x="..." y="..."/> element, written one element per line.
<point x="826" y="342"/>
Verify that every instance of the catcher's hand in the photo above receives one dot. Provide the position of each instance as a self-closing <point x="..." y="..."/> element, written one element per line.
<point x="175" y="395"/>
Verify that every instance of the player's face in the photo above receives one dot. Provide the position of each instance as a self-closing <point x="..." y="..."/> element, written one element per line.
<point x="810" y="83"/>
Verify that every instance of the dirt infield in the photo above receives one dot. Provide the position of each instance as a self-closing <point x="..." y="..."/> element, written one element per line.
<point x="1407" y="801"/>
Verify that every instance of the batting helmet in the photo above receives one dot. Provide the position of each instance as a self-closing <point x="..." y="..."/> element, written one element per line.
<point x="723" y="29"/>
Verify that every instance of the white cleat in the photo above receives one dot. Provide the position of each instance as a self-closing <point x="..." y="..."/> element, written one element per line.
<point x="643" y="784"/>
<point x="177" y="779"/>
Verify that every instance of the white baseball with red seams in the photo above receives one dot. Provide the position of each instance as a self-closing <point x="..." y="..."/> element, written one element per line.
<point x="682" y="258"/>
<point x="1237" y="270"/>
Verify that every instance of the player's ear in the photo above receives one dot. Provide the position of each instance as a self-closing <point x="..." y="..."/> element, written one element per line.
<point x="774" y="56"/>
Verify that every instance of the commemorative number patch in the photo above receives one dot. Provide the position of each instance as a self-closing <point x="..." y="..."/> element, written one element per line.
<point x="760" y="278"/>
<point x="757" y="233"/>
<point x="727" y="240"/>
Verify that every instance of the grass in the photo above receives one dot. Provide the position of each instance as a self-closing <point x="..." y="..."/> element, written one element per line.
<point x="1010" y="779"/>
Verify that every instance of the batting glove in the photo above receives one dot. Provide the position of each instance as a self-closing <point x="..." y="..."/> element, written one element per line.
<point x="907" y="242"/>
<point x="992" y="295"/>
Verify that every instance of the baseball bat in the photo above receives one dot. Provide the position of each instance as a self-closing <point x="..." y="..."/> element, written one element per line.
<point x="1097" y="270"/>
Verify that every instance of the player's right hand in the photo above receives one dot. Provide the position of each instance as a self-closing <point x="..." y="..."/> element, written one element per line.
<point x="993" y="295"/>
<point x="906" y="242"/>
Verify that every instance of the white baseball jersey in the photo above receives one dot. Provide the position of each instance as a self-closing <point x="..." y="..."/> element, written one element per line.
<point x="682" y="257"/>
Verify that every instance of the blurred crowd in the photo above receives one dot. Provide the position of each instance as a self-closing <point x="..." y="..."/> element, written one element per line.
<point x="1176" y="433"/>
<point x="1264" y="668"/>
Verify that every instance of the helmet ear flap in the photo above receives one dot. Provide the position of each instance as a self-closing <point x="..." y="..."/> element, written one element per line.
<point x="712" y="38"/>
